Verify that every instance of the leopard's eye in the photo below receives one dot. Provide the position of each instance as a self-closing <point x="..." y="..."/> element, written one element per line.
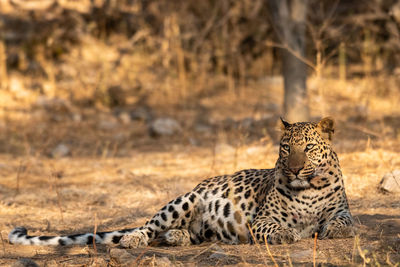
<point x="310" y="146"/>
<point x="285" y="147"/>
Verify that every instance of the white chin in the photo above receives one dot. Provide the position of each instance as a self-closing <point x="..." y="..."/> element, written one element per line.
<point x="297" y="183"/>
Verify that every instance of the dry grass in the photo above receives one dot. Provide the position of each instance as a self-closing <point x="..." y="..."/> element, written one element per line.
<point x="121" y="176"/>
<point x="116" y="175"/>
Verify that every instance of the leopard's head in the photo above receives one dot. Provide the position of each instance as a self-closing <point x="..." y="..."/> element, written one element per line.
<point x="305" y="149"/>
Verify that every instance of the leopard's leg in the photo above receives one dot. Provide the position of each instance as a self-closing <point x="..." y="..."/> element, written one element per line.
<point x="340" y="226"/>
<point x="274" y="233"/>
<point x="177" y="214"/>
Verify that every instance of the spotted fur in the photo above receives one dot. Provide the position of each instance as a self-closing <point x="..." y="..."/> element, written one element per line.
<point x="302" y="195"/>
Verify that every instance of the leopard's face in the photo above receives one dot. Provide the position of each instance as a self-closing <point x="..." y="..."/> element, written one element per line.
<point x="304" y="151"/>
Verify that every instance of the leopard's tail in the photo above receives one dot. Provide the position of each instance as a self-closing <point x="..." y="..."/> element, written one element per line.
<point x="19" y="235"/>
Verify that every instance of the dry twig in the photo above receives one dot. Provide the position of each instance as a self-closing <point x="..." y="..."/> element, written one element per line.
<point x="140" y="255"/>
<point x="269" y="252"/>
<point x="94" y="234"/>
<point x="2" y="242"/>
<point x="315" y="249"/>
<point x="256" y="242"/>
<point x="20" y="167"/>
<point x="56" y="189"/>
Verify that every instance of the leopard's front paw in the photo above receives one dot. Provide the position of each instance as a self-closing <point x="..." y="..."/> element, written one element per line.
<point x="177" y="237"/>
<point x="337" y="230"/>
<point x="283" y="236"/>
<point x="136" y="239"/>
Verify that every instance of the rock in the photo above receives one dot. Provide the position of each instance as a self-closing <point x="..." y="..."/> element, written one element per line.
<point x="301" y="255"/>
<point x="60" y="151"/>
<point x="218" y="253"/>
<point x="217" y="256"/>
<point x="76" y="117"/>
<point x="156" y="261"/>
<point x="164" y="127"/>
<point x="97" y="262"/>
<point x="120" y="257"/>
<point x="141" y="114"/>
<point x="107" y="124"/>
<point x="51" y="263"/>
<point x="124" y="117"/>
<point x="24" y="263"/>
<point x="390" y="182"/>
<point x="203" y="128"/>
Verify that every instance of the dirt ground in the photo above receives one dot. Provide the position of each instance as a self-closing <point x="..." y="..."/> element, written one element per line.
<point x="117" y="176"/>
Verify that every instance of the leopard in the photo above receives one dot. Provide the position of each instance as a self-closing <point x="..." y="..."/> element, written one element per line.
<point x="303" y="196"/>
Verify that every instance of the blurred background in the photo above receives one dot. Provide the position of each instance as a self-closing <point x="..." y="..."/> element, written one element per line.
<point x="119" y="71"/>
<point x="110" y="107"/>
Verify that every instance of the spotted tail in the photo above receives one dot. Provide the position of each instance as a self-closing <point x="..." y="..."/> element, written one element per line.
<point x="20" y="236"/>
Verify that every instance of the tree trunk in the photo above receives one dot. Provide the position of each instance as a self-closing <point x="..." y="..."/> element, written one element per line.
<point x="289" y="21"/>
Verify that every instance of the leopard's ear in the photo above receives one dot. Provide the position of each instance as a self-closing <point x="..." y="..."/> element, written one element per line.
<point x="326" y="127"/>
<point x="284" y="124"/>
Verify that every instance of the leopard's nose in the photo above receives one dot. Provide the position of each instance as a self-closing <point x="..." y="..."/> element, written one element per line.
<point x="296" y="170"/>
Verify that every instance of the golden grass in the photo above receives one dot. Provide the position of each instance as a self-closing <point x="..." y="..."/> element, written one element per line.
<point x="121" y="176"/>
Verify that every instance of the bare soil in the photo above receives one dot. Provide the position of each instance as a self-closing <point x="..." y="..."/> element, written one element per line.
<point x="117" y="177"/>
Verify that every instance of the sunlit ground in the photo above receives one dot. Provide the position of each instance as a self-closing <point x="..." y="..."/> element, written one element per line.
<point x="118" y="176"/>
